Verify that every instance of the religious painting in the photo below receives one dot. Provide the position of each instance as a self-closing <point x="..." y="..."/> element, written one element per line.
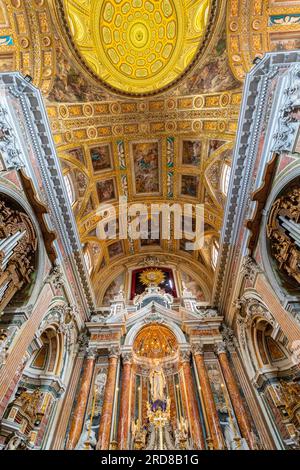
<point x="189" y="185"/>
<point x="146" y="157"/>
<point x="152" y="236"/>
<point x="77" y="154"/>
<point x="101" y="157"/>
<point x="192" y="286"/>
<point x="163" y="277"/>
<point x="115" y="249"/>
<point x="214" y="145"/>
<point x="147" y="242"/>
<point x="113" y="289"/>
<point x="191" y="152"/>
<point x="71" y="86"/>
<point x="7" y="62"/>
<point x="88" y="209"/>
<point x="106" y="190"/>
<point x="183" y="245"/>
<point x="81" y="182"/>
<point x="285" y="41"/>
<point x="214" y="75"/>
<point x="275" y="352"/>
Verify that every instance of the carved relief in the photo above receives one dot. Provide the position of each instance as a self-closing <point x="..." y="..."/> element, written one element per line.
<point x="18" y="245"/>
<point x="283" y="231"/>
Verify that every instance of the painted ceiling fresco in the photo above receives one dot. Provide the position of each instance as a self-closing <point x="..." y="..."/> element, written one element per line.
<point x="160" y="129"/>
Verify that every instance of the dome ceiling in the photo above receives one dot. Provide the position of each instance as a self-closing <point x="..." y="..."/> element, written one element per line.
<point x="138" y="47"/>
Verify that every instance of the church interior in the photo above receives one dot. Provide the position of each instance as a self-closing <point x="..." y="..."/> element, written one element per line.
<point x="108" y="109"/>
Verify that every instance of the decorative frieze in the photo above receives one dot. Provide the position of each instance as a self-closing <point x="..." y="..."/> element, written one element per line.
<point x="8" y="143"/>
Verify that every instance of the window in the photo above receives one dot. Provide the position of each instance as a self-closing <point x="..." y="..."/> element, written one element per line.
<point x="225" y="179"/>
<point x="69" y="188"/>
<point x="215" y="254"/>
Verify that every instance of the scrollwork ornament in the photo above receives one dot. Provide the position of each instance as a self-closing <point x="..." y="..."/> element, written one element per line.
<point x="229" y="338"/>
<point x="82" y="341"/>
<point x="250" y="268"/>
<point x="56" y="277"/>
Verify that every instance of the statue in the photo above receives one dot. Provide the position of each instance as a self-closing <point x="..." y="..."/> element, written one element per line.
<point x="181" y="435"/>
<point x="157" y="382"/>
<point x="87" y="439"/>
<point x="15" y="442"/>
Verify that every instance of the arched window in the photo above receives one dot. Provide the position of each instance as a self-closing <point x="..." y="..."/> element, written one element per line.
<point x="215" y="253"/>
<point x="69" y="188"/>
<point x="225" y="178"/>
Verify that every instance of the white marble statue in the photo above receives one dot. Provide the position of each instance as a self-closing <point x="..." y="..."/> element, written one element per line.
<point x="157" y="382"/>
<point x="87" y="439"/>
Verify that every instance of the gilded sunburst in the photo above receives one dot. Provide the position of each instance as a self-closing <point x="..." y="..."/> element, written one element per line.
<point x="152" y="277"/>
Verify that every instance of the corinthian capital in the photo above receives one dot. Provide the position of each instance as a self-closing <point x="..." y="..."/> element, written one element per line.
<point x="197" y="349"/>
<point x="127" y="357"/>
<point x="114" y="351"/>
<point x="220" y="347"/>
<point x="185" y="356"/>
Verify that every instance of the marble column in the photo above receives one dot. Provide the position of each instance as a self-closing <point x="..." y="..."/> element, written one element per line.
<point x="108" y="402"/>
<point x="210" y="407"/>
<point x="123" y="426"/>
<point x="235" y="396"/>
<point x="81" y="401"/>
<point x="192" y="405"/>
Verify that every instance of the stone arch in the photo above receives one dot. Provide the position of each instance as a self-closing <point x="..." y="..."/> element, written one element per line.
<point x="28" y="242"/>
<point x="137" y="327"/>
<point x="285" y="289"/>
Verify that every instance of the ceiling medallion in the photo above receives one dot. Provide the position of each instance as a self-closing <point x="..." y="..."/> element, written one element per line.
<point x="137" y="46"/>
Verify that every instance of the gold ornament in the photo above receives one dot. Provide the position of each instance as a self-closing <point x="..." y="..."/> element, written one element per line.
<point x="152" y="277"/>
<point x="137" y="46"/>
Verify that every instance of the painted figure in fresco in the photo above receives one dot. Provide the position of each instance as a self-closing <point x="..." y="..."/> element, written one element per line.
<point x="157" y="382"/>
<point x="146" y="167"/>
<point x="101" y="158"/>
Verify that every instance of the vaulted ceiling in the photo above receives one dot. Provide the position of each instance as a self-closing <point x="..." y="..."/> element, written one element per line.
<point x="155" y="137"/>
<point x="143" y="100"/>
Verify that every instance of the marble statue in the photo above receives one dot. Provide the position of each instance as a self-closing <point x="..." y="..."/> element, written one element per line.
<point x="87" y="439"/>
<point x="157" y="382"/>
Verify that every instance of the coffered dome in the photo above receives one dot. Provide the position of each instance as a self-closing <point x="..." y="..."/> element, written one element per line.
<point x="138" y="46"/>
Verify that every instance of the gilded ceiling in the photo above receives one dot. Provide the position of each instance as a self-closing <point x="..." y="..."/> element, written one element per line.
<point x="138" y="46"/>
<point x="112" y="96"/>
